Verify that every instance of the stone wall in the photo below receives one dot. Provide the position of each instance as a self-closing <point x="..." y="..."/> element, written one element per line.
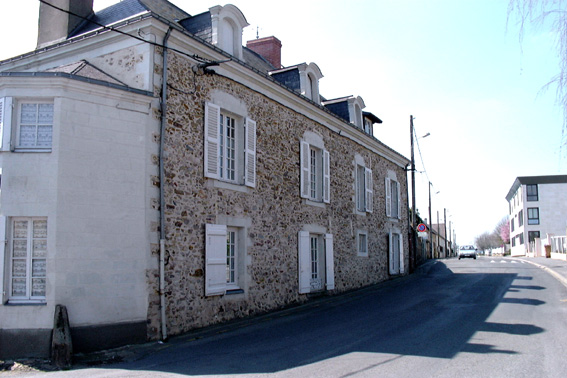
<point x="273" y="209"/>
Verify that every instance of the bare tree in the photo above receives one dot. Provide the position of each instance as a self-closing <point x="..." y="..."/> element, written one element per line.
<point x="544" y="13"/>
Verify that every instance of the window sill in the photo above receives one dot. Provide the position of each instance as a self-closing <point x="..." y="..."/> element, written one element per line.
<point x="234" y="291"/>
<point x="231" y="186"/>
<point x="32" y="150"/>
<point x="309" y="202"/>
<point x="26" y="303"/>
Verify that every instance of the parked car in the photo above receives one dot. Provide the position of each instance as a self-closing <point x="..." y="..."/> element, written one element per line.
<point x="467" y="251"/>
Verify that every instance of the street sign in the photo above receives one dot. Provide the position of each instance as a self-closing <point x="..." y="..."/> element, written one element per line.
<point x="423" y="235"/>
<point x="421" y="227"/>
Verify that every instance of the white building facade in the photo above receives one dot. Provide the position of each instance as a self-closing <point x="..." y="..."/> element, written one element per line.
<point x="537" y="210"/>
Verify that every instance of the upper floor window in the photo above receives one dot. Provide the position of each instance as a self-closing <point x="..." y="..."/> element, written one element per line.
<point x="521" y="218"/>
<point x="315" y="180"/>
<point x="227" y="23"/>
<point x="34" y="125"/>
<point x="393" y="206"/>
<point x="532" y="193"/>
<point x="230" y="146"/>
<point x="364" y="187"/>
<point x="533" y="215"/>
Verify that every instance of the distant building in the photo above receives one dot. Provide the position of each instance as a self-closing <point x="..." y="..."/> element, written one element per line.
<point x="537" y="208"/>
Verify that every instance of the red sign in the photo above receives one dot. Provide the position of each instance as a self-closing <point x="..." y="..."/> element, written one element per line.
<point x="421" y="227"/>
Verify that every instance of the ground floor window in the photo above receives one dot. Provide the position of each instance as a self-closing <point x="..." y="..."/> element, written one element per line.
<point x="27" y="262"/>
<point x="532" y="236"/>
<point x="224" y="251"/>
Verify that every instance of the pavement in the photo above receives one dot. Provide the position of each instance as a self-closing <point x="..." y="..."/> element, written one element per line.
<point x="555" y="267"/>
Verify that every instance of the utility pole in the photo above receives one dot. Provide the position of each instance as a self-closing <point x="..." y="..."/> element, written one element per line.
<point x="445" y="230"/>
<point x="413" y="216"/>
<point x="430" y="224"/>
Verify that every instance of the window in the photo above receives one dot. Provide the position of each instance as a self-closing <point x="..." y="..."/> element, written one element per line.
<point x="532" y="236"/>
<point x="513" y="242"/>
<point x="364" y="189"/>
<point x="533" y="215"/>
<point x="27" y="256"/>
<point x="521" y="218"/>
<point x="316" y="265"/>
<point x="230" y="147"/>
<point x="35" y="125"/>
<point x="512" y="221"/>
<point x="532" y="194"/>
<point x="392" y="198"/>
<point x="396" y="255"/>
<point x="224" y="259"/>
<point x="362" y="243"/>
<point x="521" y="238"/>
<point x="315" y="174"/>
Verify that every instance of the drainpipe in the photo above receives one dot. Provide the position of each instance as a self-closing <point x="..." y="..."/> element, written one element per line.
<point x="161" y="191"/>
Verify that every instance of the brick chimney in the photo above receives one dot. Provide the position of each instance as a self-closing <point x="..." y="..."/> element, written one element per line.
<point x="269" y="47"/>
<point x="55" y="25"/>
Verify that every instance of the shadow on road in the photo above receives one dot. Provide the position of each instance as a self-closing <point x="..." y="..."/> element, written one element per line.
<point x="432" y="314"/>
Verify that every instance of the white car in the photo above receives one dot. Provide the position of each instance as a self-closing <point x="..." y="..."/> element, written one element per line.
<point x="467" y="251"/>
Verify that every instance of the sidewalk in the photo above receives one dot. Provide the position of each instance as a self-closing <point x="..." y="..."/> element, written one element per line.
<point x="557" y="268"/>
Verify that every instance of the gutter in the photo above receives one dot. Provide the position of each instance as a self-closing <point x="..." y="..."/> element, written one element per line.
<point x="161" y="191"/>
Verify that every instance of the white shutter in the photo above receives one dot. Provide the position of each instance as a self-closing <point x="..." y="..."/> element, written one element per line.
<point x="211" y="154"/>
<point x="369" y="189"/>
<point x="250" y="154"/>
<point x="329" y="262"/>
<point x="388" y="198"/>
<point x="215" y="259"/>
<point x="391" y="258"/>
<point x="5" y="124"/>
<point x="3" y="243"/>
<point x="326" y="177"/>
<point x="402" y="269"/>
<point x="1" y="124"/>
<point x="399" y="201"/>
<point x="304" y="262"/>
<point x="305" y="176"/>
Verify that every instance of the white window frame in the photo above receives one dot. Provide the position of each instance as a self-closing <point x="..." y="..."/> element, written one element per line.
<point x="396" y="252"/>
<point x="305" y="261"/>
<point x="37" y="124"/>
<point x="245" y="147"/>
<point x="318" y="191"/>
<point x="390" y="197"/>
<point x="29" y="260"/>
<point x="362" y="243"/>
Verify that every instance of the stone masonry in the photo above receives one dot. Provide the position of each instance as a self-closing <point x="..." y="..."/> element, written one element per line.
<point x="274" y="207"/>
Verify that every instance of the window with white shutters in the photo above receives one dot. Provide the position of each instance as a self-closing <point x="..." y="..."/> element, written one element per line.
<point x="27" y="259"/>
<point x="393" y="203"/>
<point x="364" y="189"/>
<point x="229" y="146"/>
<point x="315" y="175"/>
<point x="224" y="259"/>
<point x="35" y="125"/>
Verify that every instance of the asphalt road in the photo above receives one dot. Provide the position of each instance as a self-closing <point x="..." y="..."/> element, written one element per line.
<point x="489" y="317"/>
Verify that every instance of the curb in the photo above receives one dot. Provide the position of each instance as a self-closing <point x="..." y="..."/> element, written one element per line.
<point x="556" y="275"/>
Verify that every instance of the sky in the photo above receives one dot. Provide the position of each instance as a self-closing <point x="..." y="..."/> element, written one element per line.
<point x="456" y="66"/>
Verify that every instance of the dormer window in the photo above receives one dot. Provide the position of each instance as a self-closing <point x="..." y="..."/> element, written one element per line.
<point x="309" y="75"/>
<point x="227" y="23"/>
<point x="348" y="108"/>
<point x="355" y="106"/>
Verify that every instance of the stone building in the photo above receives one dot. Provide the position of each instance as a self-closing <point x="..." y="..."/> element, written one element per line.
<point x="161" y="176"/>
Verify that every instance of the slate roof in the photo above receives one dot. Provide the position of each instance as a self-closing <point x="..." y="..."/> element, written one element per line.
<point x="128" y="8"/>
